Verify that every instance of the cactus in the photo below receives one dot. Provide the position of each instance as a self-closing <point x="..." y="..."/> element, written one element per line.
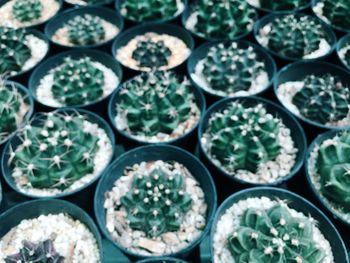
<point x="224" y="19"/>
<point x="156" y="202"/>
<point x="155" y="103"/>
<point x="26" y="10"/>
<point x="43" y="252"/>
<point x="284" y="5"/>
<point x="242" y="138"/>
<point x="334" y="12"/>
<point x="14" y="51"/>
<point x="347" y="55"/>
<point x="333" y="167"/>
<point x="147" y="10"/>
<point x="323" y="99"/>
<point x="77" y="82"/>
<point x="55" y="151"/>
<point x="274" y="236"/>
<point x="85" y="30"/>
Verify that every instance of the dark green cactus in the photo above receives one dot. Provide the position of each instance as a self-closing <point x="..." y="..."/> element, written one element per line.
<point x="334" y="12"/>
<point x="155" y="103"/>
<point x="85" y="30"/>
<point x="77" y="82"/>
<point x="43" y="252"/>
<point x="323" y="99"/>
<point x="274" y="236"/>
<point x="55" y="151"/>
<point x="333" y="167"/>
<point x="156" y="202"/>
<point x="282" y="5"/>
<point x="242" y="138"/>
<point x="14" y="51"/>
<point x="26" y="10"/>
<point x="224" y="19"/>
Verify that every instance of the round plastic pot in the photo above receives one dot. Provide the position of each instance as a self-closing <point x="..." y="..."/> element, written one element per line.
<point x="296" y="202"/>
<point x="147" y="154"/>
<point x="105" y="2"/>
<point x="162" y="260"/>
<point x="53" y="62"/>
<point x="341" y="43"/>
<point x="201" y="52"/>
<point x="265" y="11"/>
<point x="60" y="20"/>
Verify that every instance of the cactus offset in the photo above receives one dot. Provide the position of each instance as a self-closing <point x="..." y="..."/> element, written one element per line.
<point x="274" y="236"/>
<point x="282" y="5"/>
<point x="334" y="12"/>
<point x="26" y="10"/>
<point x="323" y="99"/>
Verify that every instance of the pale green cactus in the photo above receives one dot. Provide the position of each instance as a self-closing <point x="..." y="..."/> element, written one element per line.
<point x="27" y="10"/>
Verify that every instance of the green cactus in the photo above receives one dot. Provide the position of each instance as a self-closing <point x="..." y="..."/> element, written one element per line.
<point x="77" y="82"/>
<point x="224" y="19"/>
<point x="27" y="10"/>
<point x="242" y="138"/>
<point x="85" y="30"/>
<point x="155" y="103"/>
<point x="284" y="5"/>
<point x="274" y="236"/>
<point x="56" y="151"/>
<point x="334" y="12"/>
<point x="156" y="202"/>
<point x="323" y="99"/>
<point x="14" y="51"/>
<point x="333" y="167"/>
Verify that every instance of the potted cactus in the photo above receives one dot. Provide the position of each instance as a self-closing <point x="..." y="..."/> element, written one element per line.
<point x="58" y="153"/>
<point x="265" y="224"/>
<point x="88" y="2"/>
<point x="279" y="6"/>
<point x="156" y="107"/>
<point x="49" y="231"/>
<point x="231" y="68"/>
<point x="229" y="19"/>
<point x="295" y="36"/>
<point x="27" y="13"/>
<point x="155" y="201"/>
<point x="343" y="50"/>
<point x="153" y="47"/>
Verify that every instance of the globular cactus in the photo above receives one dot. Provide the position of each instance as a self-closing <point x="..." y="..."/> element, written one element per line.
<point x="155" y="103"/>
<point x="242" y="138"/>
<point x="55" y="151"/>
<point x="42" y="252"/>
<point x="77" y="82"/>
<point x="27" y="10"/>
<point x="223" y="19"/>
<point x="14" y="51"/>
<point x="283" y="5"/>
<point x="274" y="236"/>
<point x="323" y="99"/>
<point x="85" y="30"/>
<point x="156" y="202"/>
<point x="333" y="166"/>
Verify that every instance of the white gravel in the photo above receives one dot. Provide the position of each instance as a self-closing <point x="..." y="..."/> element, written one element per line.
<point x="77" y="2"/>
<point x="38" y="48"/>
<point x="230" y="221"/>
<point x="342" y="52"/>
<point x="318" y="10"/>
<point x="255" y="3"/>
<point x="71" y="238"/>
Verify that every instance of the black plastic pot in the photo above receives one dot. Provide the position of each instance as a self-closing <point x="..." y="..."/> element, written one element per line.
<point x="61" y="19"/>
<point x="99" y="106"/>
<point x="264" y="11"/>
<point x="296" y="202"/>
<point x="202" y="51"/>
<point x="341" y="43"/>
<point x="162" y="260"/>
<point x="152" y="153"/>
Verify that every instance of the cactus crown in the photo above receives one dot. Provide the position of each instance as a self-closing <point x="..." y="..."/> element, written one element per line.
<point x="85" y="30"/>
<point x="283" y="5"/>
<point x="77" y="81"/>
<point x="333" y="166"/>
<point x="43" y="252"/>
<point x="56" y="150"/>
<point x="274" y="236"/>
<point x="335" y="13"/>
<point x="14" y="51"/>
<point x="157" y="202"/>
<point x="242" y="138"/>
<point x="225" y="19"/>
<point x="323" y="99"/>
<point x="26" y="10"/>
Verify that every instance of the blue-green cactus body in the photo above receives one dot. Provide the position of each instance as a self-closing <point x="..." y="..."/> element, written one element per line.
<point x="27" y="10"/>
<point x="335" y="13"/>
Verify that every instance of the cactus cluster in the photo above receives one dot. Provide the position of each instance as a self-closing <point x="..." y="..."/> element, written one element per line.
<point x="334" y="12"/>
<point x="85" y="30"/>
<point x="323" y="99"/>
<point x="42" y="252"/>
<point x="333" y="167"/>
<point x="156" y="202"/>
<point x="283" y="5"/>
<point x="27" y="10"/>
<point x="77" y="82"/>
<point x="274" y="236"/>
<point x="223" y="19"/>
<point x="242" y="138"/>
<point x="55" y="151"/>
<point x="14" y="51"/>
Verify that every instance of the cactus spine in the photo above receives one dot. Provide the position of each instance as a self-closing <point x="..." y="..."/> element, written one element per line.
<point x="284" y="5"/>
<point x="335" y="13"/>
<point x="27" y="10"/>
